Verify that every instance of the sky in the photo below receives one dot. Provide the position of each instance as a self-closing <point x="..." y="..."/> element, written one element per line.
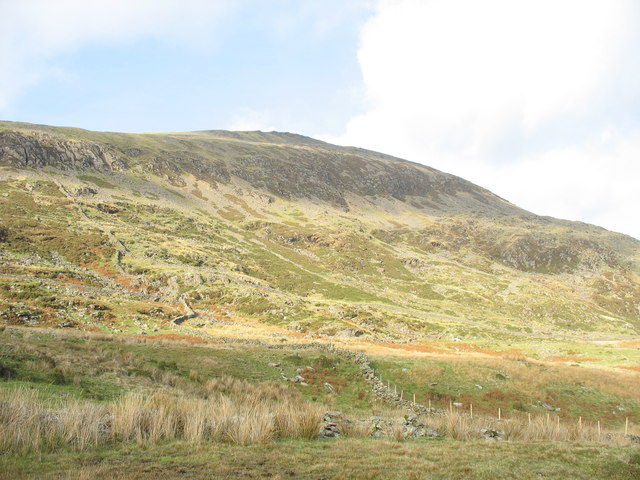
<point x="536" y="100"/>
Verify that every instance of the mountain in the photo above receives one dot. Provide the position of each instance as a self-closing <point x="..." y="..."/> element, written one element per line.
<point x="124" y="232"/>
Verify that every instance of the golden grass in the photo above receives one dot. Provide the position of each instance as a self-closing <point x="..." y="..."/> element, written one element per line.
<point x="461" y="426"/>
<point x="234" y="411"/>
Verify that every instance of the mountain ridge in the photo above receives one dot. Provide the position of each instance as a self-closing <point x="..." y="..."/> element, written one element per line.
<point x="405" y="178"/>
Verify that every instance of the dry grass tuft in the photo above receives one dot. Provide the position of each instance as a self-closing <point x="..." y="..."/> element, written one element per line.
<point x="234" y="411"/>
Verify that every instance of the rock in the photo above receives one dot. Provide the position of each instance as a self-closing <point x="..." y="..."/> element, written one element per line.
<point x="106" y="208"/>
<point x="491" y="434"/>
<point x="431" y="433"/>
<point x="328" y="386"/>
<point x="457" y="404"/>
<point x="633" y="438"/>
<point x="297" y="379"/>
<point x="104" y="424"/>
<point x="349" y="332"/>
<point x="84" y="191"/>
<point x="479" y="387"/>
<point x="330" y="424"/>
<point x="133" y="152"/>
<point x="412" y="262"/>
<point x="274" y="365"/>
<point x="502" y="376"/>
<point x="546" y="406"/>
<point x="294" y="326"/>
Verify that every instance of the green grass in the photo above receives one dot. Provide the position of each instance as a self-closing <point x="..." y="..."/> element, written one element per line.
<point x="100" y="182"/>
<point x="102" y="368"/>
<point x="353" y="459"/>
<point x="516" y="386"/>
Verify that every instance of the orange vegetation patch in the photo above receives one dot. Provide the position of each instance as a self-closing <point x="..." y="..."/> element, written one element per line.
<point x="469" y="347"/>
<point x="125" y="282"/>
<point x="629" y="367"/>
<point x="74" y="281"/>
<point x="192" y="339"/>
<point x="629" y="343"/>
<point x="570" y="358"/>
<point x="410" y="347"/>
<point x="100" y="269"/>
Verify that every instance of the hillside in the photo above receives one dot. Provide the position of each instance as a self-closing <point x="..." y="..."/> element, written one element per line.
<point x="125" y="232"/>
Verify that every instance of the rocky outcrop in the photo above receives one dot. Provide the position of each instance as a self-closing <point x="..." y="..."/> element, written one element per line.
<point x="187" y="316"/>
<point x="331" y="175"/>
<point x="84" y="192"/>
<point x="336" y="424"/>
<point x="37" y="150"/>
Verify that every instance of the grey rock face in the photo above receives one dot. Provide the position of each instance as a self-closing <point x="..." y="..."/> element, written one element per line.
<point x="41" y="150"/>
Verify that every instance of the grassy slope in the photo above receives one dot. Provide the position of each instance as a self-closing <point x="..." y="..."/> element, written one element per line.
<point x="310" y="270"/>
<point x="516" y="386"/>
<point x="102" y="369"/>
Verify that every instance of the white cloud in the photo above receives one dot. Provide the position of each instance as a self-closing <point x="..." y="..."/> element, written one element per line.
<point x="537" y="100"/>
<point x="32" y="32"/>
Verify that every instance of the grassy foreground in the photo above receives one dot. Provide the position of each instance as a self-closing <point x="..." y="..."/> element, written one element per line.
<point x="350" y="458"/>
<point x="93" y="406"/>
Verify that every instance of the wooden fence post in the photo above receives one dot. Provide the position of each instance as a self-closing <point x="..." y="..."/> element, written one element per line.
<point x="471" y="409"/>
<point x="499" y="414"/>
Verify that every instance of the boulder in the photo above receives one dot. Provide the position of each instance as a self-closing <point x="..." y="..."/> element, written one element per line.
<point x="546" y="406"/>
<point x="491" y="434"/>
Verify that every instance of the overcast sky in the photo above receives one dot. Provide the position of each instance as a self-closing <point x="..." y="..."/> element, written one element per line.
<point x="539" y="101"/>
